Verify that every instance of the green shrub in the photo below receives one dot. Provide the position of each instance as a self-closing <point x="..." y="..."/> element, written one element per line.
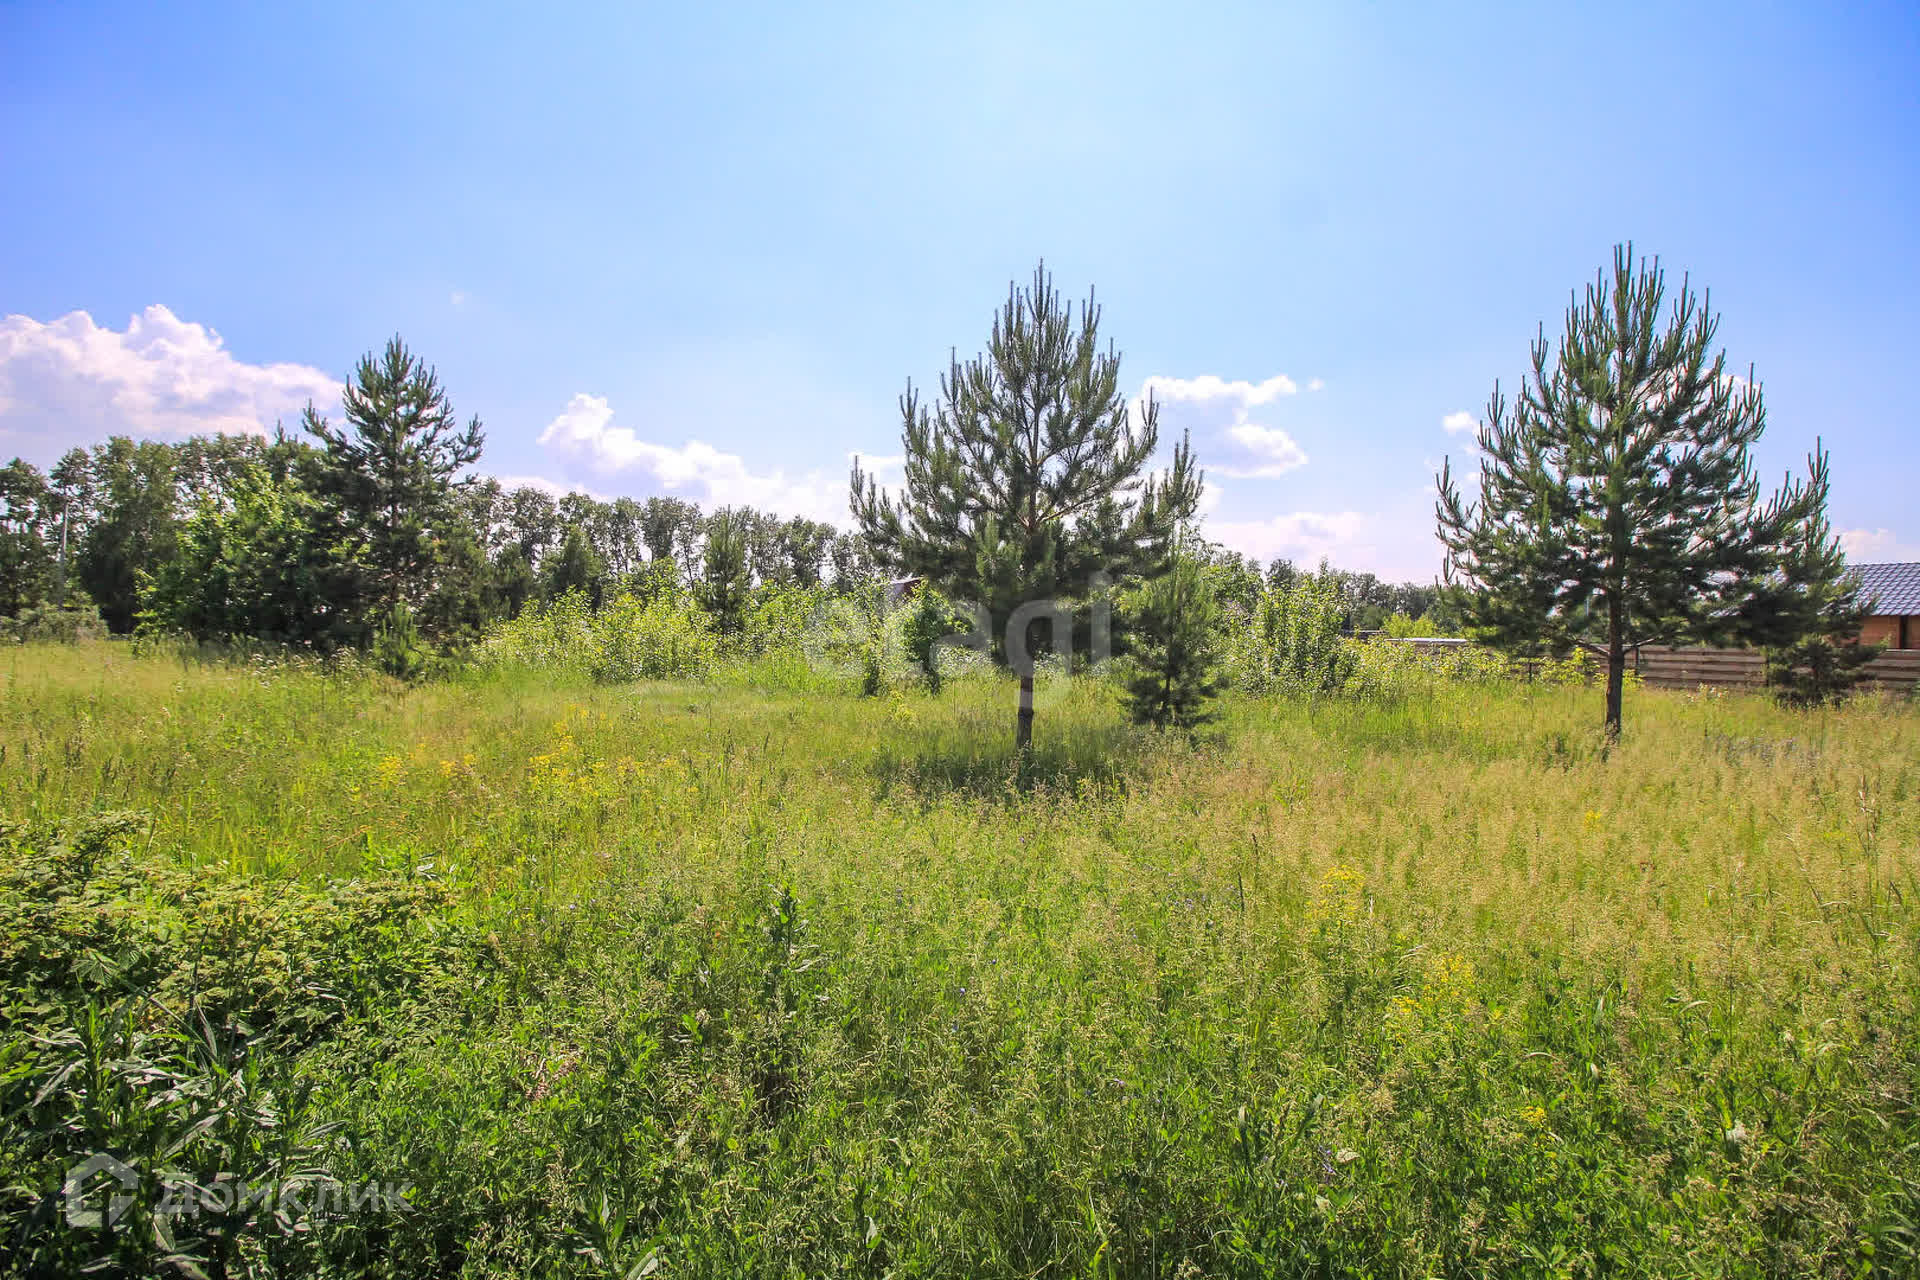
<point x="632" y="637"/>
<point x="72" y="624"/>
<point x="1292" y="642"/>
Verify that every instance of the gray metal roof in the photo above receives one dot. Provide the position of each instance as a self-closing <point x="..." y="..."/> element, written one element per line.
<point x="1894" y="588"/>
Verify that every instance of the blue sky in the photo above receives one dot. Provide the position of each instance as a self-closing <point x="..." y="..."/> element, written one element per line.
<point x="665" y="250"/>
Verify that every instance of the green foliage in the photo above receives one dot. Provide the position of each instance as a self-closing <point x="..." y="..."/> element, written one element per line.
<point x="856" y="634"/>
<point x="167" y="1015"/>
<point x="253" y="564"/>
<point x="1399" y="626"/>
<point x="1292" y="642"/>
<point x="1026" y="481"/>
<point x="930" y="620"/>
<point x="1812" y="612"/>
<point x="398" y="648"/>
<point x="632" y="637"/>
<point x="725" y="584"/>
<point x="26" y="560"/>
<point x="132" y="529"/>
<point x="1172" y="638"/>
<point x="75" y="625"/>
<point x="738" y="982"/>
<point x="576" y="568"/>
<point x="1618" y="501"/>
<point x="387" y="476"/>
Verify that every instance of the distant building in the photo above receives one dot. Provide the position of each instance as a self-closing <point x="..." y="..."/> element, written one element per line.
<point x="1894" y="590"/>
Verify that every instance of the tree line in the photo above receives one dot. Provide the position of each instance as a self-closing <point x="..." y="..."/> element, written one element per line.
<point x="1617" y="506"/>
<point x="319" y="536"/>
<point x="316" y="537"/>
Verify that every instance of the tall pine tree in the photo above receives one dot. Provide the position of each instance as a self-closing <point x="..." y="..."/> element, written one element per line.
<point x="1618" y="502"/>
<point x="1027" y="478"/>
<point x="388" y="475"/>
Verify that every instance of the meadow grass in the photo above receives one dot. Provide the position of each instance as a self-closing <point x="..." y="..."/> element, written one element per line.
<point x="757" y="977"/>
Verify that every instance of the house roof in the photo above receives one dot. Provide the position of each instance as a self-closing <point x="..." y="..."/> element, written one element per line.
<point x="1893" y="588"/>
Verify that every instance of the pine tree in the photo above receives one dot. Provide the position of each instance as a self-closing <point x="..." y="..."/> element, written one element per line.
<point x="389" y="474"/>
<point x="1025" y="480"/>
<point x="724" y="581"/>
<point x="397" y="647"/>
<point x="1173" y="644"/>
<point x="1810" y="612"/>
<point x="1618" y="503"/>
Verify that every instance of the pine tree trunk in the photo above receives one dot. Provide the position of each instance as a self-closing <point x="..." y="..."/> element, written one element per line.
<point x="1616" y="666"/>
<point x="1023" y="727"/>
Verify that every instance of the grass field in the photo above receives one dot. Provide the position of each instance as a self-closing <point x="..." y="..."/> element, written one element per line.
<point x="721" y="980"/>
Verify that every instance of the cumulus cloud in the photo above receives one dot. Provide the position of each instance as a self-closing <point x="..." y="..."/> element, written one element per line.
<point x="71" y="382"/>
<point x="1219" y="412"/>
<point x="1461" y="423"/>
<point x="1280" y="451"/>
<point x="1878" y="546"/>
<point x="1208" y="387"/>
<point x="585" y="434"/>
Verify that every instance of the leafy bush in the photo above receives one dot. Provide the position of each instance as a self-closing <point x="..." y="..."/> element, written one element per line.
<point x="163" y="1017"/>
<point x="931" y="620"/>
<point x="1292" y="641"/>
<point x="632" y="637"/>
<point x="73" y="624"/>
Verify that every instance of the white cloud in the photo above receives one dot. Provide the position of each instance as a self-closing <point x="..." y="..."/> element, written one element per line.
<point x="1395" y="541"/>
<point x="1877" y="546"/>
<point x="1460" y="423"/>
<point x="1281" y="451"/>
<point x="71" y="382"/>
<point x="879" y="464"/>
<point x="586" y="434"/>
<point x="1301" y="536"/>
<point x="1316" y="385"/>
<point x="1209" y="387"/>
<point x="457" y="298"/>
<point x="1218" y="414"/>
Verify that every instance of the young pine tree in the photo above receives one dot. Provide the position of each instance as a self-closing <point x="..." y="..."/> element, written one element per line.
<point x="388" y="475"/>
<point x="1026" y="480"/>
<point x="1618" y="502"/>
<point x="1810" y="612"/>
<point x="1172" y="636"/>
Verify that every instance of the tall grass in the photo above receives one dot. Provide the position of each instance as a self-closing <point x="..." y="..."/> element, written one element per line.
<point x="726" y="979"/>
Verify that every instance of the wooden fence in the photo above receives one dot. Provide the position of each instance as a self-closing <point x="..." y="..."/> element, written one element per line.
<point x="1895" y="670"/>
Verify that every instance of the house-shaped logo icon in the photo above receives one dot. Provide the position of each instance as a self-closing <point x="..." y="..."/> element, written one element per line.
<point x="121" y="1180"/>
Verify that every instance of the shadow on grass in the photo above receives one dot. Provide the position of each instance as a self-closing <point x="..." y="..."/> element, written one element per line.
<point x="978" y="759"/>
